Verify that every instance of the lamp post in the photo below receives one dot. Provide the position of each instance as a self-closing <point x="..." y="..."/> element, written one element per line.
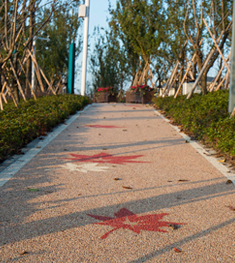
<point x="85" y="40"/>
<point x="34" y="54"/>
<point x="231" y="104"/>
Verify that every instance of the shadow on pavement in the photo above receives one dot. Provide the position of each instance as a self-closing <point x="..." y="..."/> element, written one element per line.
<point x="13" y="220"/>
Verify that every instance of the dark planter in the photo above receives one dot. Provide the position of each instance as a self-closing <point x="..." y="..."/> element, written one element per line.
<point x="112" y="97"/>
<point x="102" y="97"/>
<point x="132" y="97"/>
<point x="148" y="96"/>
<point x="105" y="97"/>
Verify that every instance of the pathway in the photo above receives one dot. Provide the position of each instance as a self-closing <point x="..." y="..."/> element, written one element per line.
<point x="118" y="184"/>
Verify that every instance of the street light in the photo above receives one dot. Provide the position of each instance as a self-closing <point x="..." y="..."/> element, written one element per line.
<point x="231" y="104"/>
<point x="84" y="12"/>
<point x="34" y="54"/>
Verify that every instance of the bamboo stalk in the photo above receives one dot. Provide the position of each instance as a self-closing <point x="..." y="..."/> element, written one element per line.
<point x="3" y="87"/>
<point x="57" y="88"/>
<point x="136" y="77"/>
<point x="28" y="81"/>
<point x="217" y="88"/>
<point x="143" y="74"/>
<point x="37" y="71"/>
<point x="169" y="80"/>
<point x="17" y="80"/>
<point x="207" y="60"/>
<point x="163" y="90"/>
<point x="191" y="74"/>
<point x="137" y="73"/>
<point x="185" y="75"/>
<point x="1" y="104"/>
<point x="172" y="78"/>
<point x="172" y="84"/>
<point x="10" y="92"/>
<point x="3" y="95"/>
<point x="4" y="98"/>
<point x="152" y="78"/>
<point x="48" y="83"/>
<point x="203" y="68"/>
<point x="59" y="85"/>
<point x="174" y="71"/>
<point x="217" y="77"/>
<point x="22" y="64"/>
<point x="221" y="54"/>
<point x="227" y="81"/>
<point x="151" y="81"/>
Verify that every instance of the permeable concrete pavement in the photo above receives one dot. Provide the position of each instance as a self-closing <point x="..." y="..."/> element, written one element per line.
<point x="116" y="184"/>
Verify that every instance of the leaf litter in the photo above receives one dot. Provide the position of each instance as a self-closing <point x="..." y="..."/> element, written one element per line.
<point x="178" y="250"/>
<point x="33" y="189"/>
<point x="183" y="180"/>
<point x="229" y="182"/>
<point x="174" y="226"/>
<point x="127" y="187"/>
<point x="24" y="252"/>
<point x="231" y="207"/>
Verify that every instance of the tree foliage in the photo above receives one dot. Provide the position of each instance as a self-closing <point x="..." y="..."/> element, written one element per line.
<point x="214" y="12"/>
<point x="164" y="32"/>
<point x="109" y="61"/>
<point x="62" y="30"/>
<point x="21" y="22"/>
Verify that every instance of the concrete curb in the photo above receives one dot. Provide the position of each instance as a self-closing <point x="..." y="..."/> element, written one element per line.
<point x="12" y="169"/>
<point x="199" y="148"/>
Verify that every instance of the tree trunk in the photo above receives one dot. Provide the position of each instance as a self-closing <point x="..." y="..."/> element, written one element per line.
<point x="203" y="87"/>
<point x="133" y="78"/>
<point x="220" y="66"/>
<point x="28" y="77"/>
<point x="29" y="61"/>
<point x="15" y="91"/>
<point x="14" y="83"/>
<point x="204" y="84"/>
<point x="146" y="77"/>
<point x="181" y="73"/>
<point x="194" y="70"/>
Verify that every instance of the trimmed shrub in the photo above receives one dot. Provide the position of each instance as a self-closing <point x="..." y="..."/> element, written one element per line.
<point x="205" y="117"/>
<point x="34" y="118"/>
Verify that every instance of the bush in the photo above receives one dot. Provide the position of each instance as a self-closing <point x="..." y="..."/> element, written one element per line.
<point x="206" y="117"/>
<point x="34" y="118"/>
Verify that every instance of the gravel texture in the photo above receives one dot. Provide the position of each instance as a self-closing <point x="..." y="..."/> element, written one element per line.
<point x="138" y="179"/>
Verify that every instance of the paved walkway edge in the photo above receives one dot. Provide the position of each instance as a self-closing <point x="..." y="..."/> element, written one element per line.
<point x="199" y="148"/>
<point x="12" y="169"/>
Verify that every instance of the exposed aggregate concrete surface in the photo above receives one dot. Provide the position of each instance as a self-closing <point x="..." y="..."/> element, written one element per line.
<point x="119" y="184"/>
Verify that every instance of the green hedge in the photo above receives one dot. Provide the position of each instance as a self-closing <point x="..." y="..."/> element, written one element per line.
<point x="33" y="118"/>
<point x="205" y="117"/>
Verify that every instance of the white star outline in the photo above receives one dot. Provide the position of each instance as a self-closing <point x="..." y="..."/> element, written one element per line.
<point x="84" y="168"/>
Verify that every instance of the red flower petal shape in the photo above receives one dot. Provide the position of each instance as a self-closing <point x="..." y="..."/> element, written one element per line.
<point x="126" y="219"/>
<point x="104" y="158"/>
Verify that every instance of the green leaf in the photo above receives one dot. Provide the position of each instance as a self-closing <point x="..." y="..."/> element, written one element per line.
<point x="33" y="189"/>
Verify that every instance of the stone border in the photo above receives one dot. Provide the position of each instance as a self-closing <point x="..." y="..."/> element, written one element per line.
<point x="200" y="149"/>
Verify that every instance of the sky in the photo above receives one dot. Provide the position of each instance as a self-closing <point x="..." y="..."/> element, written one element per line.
<point x="98" y="15"/>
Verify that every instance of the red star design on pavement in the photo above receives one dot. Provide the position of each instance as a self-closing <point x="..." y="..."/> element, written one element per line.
<point x="125" y="219"/>
<point x="104" y="158"/>
<point x="103" y="126"/>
